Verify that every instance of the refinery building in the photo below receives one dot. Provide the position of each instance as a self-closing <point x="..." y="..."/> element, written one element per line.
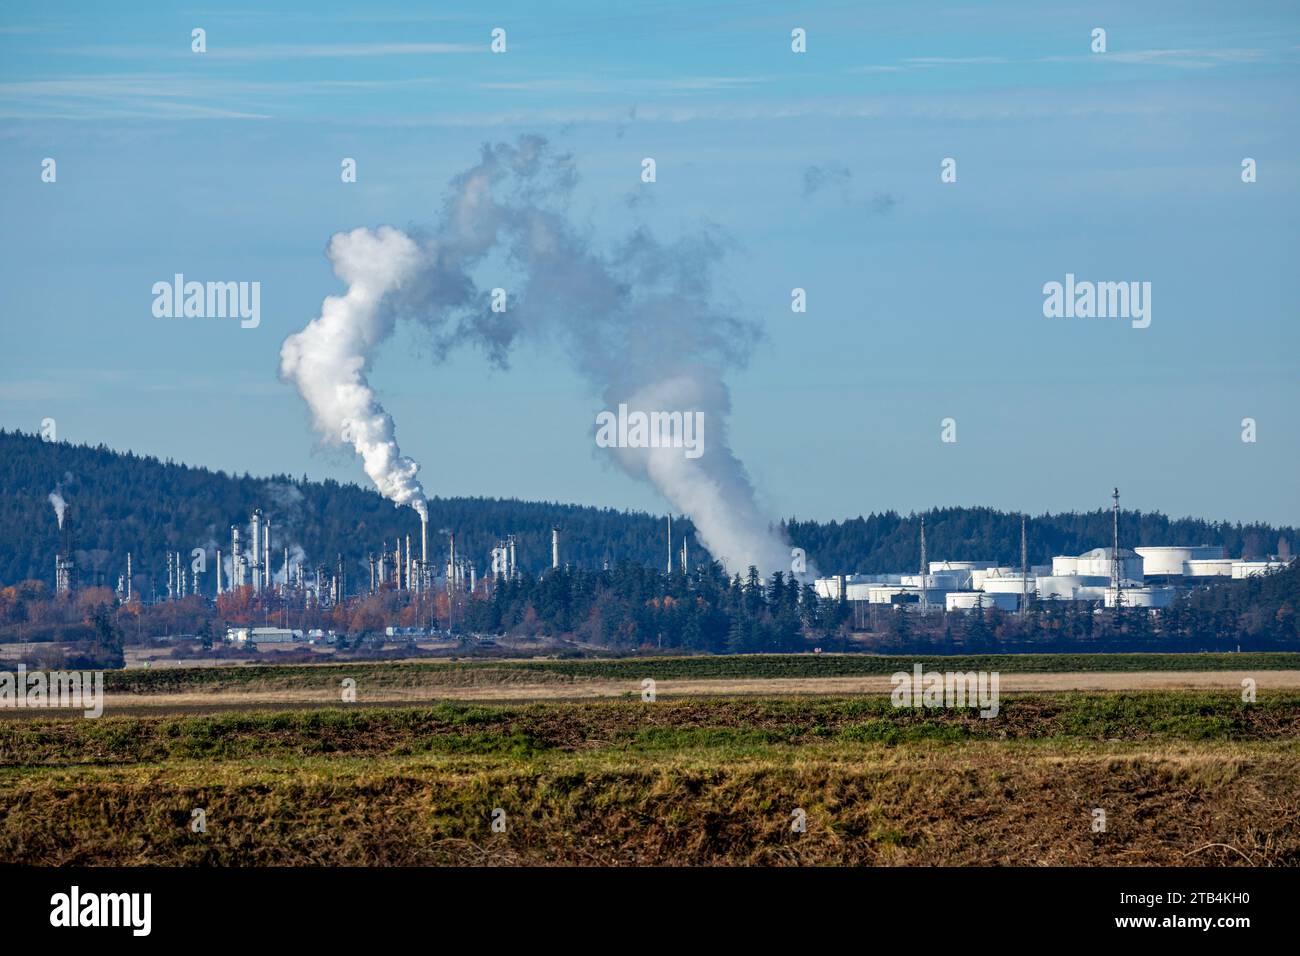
<point x="1146" y="577"/>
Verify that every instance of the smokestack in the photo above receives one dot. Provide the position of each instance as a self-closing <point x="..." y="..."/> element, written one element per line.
<point x="236" y="570"/>
<point x="670" y="543"/>
<point x="383" y="563"/>
<point x="555" y="546"/>
<point x="128" y="577"/>
<point x="925" y="570"/>
<point x="472" y="580"/>
<point x="408" y="562"/>
<point x="1024" y="569"/>
<point x="268" y="579"/>
<point x="514" y="568"/>
<point x="218" y="570"/>
<point x="451" y="560"/>
<point x="256" y="560"/>
<point x="684" y="567"/>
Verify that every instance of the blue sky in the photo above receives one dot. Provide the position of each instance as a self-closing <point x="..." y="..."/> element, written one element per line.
<point x="925" y="299"/>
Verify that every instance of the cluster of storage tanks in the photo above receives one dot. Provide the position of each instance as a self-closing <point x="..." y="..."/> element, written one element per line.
<point x="1149" y="577"/>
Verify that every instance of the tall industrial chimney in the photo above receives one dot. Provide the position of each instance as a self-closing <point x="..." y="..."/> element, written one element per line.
<point x="234" y="557"/>
<point x="256" y="561"/>
<point x="451" y="561"/>
<point x="1116" y="568"/>
<point x="925" y="571"/>
<point x="218" y="570"/>
<point x="555" y="546"/>
<point x="268" y="578"/>
<point x="409" y="567"/>
<point x="1024" y="569"/>
<point x="670" y="543"/>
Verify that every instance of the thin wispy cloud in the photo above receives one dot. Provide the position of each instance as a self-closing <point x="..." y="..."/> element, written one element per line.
<point x="283" y="51"/>
<point x="1177" y="58"/>
<point x="1187" y="57"/>
<point x="127" y="96"/>
<point x="606" y="84"/>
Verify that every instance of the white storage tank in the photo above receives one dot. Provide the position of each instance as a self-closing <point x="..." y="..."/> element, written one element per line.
<point x="1010" y="584"/>
<point x="1248" y="569"/>
<point x="1065" y="566"/>
<point x="961" y="570"/>
<point x="884" y="593"/>
<point x="944" y="582"/>
<point x="855" y="585"/>
<point x="1097" y="563"/>
<point x="968" y="600"/>
<point x="1210" y="568"/>
<point x="1142" y="597"/>
<point x="1169" y="561"/>
<point x="1066" y="587"/>
<point x="980" y="575"/>
<point x="858" y="590"/>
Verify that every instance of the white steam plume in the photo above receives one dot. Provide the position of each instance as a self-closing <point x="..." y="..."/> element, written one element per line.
<point x="329" y="359"/>
<point x="636" y="319"/>
<point x="60" y="506"/>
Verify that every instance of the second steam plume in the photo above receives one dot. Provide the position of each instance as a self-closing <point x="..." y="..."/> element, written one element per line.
<point x="635" y="318"/>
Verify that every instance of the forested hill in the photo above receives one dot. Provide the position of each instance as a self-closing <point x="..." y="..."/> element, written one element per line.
<point x="124" y="502"/>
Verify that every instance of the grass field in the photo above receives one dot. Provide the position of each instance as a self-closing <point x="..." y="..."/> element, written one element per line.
<point x="1183" y="777"/>
<point x="390" y="675"/>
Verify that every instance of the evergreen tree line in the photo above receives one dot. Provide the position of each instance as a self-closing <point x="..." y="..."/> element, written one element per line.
<point x="122" y="502"/>
<point x="632" y="608"/>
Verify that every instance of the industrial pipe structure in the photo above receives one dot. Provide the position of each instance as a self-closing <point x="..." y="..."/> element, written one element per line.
<point x="256" y="557"/>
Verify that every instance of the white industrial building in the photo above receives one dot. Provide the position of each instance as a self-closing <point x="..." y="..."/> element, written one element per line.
<point x="971" y="600"/>
<point x="1098" y="563"/>
<point x="1248" y="569"/>
<point x="1071" y="587"/>
<point x="1176" y="561"/>
<point x="967" y="585"/>
<point x="1146" y="597"/>
<point x="262" y="635"/>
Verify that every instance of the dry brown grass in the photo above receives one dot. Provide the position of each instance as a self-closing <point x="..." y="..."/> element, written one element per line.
<point x="1183" y="778"/>
<point x="890" y="807"/>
